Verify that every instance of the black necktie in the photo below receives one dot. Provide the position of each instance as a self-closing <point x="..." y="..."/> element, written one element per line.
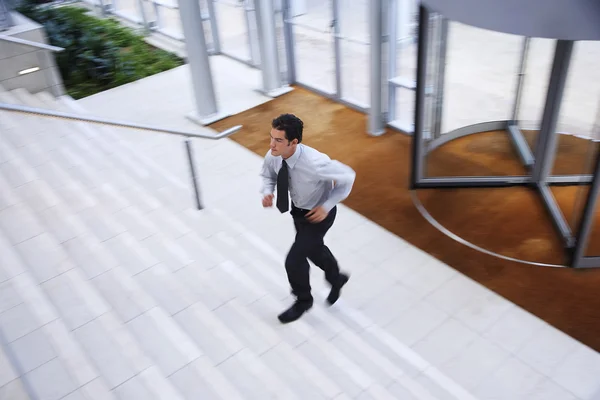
<point x="283" y="204"/>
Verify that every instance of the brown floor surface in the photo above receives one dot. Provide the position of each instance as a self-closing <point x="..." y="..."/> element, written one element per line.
<point x="510" y="221"/>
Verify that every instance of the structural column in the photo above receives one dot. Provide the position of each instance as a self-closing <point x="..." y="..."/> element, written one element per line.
<point x="376" y="115"/>
<point x="206" y="110"/>
<point x="269" y="60"/>
<point x="418" y="150"/>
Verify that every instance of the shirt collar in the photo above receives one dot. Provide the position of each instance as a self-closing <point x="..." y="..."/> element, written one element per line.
<point x="291" y="162"/>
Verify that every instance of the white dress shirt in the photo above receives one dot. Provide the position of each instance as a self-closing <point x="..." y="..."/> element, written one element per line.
<point x="315" y="179"/>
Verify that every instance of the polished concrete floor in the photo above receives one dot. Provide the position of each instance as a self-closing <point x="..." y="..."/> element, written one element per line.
<point x="509" y="221"/>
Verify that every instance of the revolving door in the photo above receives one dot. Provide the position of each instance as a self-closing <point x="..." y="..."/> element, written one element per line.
<point x="533" y="160"/>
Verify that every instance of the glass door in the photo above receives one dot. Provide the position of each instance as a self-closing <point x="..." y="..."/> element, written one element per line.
<point x="352" y="43"/>
<point x="237" y="32"/>
<point x="310" y="27"/>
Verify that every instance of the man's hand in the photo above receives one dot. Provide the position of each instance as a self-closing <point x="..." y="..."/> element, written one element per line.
<point x="317" y="215"/>
<point x="267" y="201"/>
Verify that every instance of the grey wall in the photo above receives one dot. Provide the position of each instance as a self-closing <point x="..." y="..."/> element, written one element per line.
<point x="16" y="57"/>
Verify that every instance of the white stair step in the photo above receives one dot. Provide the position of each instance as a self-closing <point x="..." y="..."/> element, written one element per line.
<point x="88" y="337"/>
<point x="262" y="294"/>
<point x="392" y="375"/>
<point x="14" y="390"/>
<point x="126" y="298"/>
<point x="123" y="150"/>
<point x="124" y="155"/>
<point x="99" y="334"/>
<point x="265" y="331"/>
<point x="126" y="146"/>
<point x="48" y="355"/>
<point x="202" y="288"/>
<point x="89" y="255"/>
<point x="333" y="328"/>
<point x="18" y="225"/>
<point x="307" y="331"/>
<point x="350" y="343"/>
<point x="379" y="344"/>
<point x="167" y="294"/>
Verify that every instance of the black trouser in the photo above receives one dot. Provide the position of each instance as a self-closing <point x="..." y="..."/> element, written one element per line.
<point x="309" y="244"/>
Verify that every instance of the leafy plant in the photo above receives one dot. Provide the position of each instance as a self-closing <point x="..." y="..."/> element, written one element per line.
<point x="99" y="53"/>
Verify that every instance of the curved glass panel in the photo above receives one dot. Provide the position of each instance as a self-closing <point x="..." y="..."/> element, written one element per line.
<point x="481" y="76"/>
<point x="578" y="112"/>
<point x="475" y="82"/>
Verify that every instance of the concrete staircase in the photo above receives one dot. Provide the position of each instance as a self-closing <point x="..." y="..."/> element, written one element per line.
<point x="113" y="286"/>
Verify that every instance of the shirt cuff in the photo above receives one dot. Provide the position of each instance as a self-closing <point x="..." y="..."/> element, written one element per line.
<point x="329" y="204"/>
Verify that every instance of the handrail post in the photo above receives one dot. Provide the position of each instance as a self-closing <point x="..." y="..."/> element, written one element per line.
<point x="188" y="146"/>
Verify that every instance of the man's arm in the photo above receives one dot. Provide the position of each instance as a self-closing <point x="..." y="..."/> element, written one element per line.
<point x="342" y="176"/>
<point x="269" y="177"/>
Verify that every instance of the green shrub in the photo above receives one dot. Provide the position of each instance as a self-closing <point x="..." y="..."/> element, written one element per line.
<point x="99" y="53"/>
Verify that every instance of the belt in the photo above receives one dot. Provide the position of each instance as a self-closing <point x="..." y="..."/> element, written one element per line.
<point x="304" y="210"/>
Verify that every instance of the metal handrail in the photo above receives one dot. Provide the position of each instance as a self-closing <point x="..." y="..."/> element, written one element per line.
<point x="30" y="43"/>
<point x="104" y="121"/>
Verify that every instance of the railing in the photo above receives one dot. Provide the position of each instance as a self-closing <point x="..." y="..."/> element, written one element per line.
<point x="104" y="121"/>
<point x="30" y="43"/>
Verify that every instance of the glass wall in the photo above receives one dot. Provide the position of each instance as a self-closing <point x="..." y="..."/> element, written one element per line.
<point x="233" y="28"/>
<point x="331" y="46"/>
<point x="354" y="51"/>
<point x="313" y="42"/>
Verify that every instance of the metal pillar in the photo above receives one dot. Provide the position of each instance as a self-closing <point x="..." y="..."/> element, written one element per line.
<point x="386" y="54"/>
<point x="337" y="48"/>
<point x="376" y="117"/>
<point x="288" y="34"/>
<point x="269" y="60"/>
<point x="393" y="22"/>
<point x="547" y="139"/>
<point x="438" y="99"/>
<point x="206" y="111"/>
<point x="194" y="175"/>
<point x="214" y="28"/>
<point x="251" y="26"/>
<point x="418" y="151"/>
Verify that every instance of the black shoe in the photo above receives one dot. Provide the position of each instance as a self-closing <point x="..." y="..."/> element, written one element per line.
<point x="334" y="295"/>
<point x="294" y="312"/>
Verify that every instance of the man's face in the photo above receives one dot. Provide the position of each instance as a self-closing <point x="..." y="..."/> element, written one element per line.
<point x="280" y="145"/>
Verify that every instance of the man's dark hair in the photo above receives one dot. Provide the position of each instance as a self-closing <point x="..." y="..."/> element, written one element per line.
<point x="291" y="125"/>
